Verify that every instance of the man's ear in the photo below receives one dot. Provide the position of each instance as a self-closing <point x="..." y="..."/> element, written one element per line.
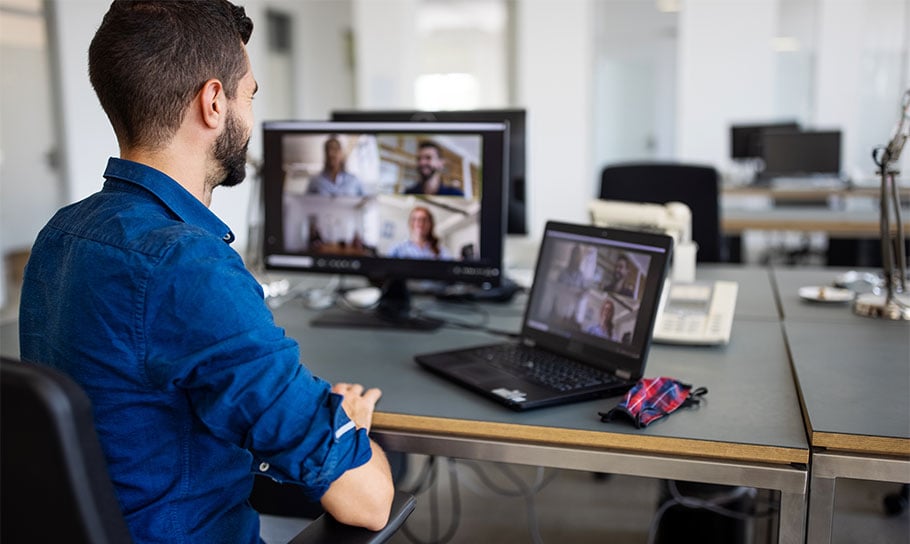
<point x="212" y="103"/>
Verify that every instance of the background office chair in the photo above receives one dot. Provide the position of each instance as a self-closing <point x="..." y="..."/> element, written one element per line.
<point x="659" y="183"/>
<point x="54" y="475"/>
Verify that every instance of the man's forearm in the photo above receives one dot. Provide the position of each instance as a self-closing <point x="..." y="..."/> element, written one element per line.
<point x="363" y="496"/>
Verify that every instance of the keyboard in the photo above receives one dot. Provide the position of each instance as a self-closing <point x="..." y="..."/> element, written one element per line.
<point x="544" y="368"/>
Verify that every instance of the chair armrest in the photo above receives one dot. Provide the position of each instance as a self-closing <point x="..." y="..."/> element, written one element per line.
<point x="325" y="530"/>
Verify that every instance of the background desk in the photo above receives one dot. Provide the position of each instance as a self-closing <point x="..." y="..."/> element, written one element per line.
<point x="848" y="217"/>
<point x="795" y="193"/>
<point x="836" y="223"/>
<point x="854" y="376"/>
<point x="749" y="432"/>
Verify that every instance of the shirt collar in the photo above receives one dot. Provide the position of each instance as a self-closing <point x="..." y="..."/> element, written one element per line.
<point x="183" y="204"/>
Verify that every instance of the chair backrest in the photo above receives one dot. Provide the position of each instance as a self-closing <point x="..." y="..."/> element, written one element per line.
<point x="659" y="183"/>
<point x="56" y="487"/>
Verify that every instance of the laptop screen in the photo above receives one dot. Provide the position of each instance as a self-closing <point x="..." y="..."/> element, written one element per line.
<point x="595" y="294"/>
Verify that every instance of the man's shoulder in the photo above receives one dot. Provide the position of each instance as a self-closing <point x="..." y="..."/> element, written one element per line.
<point x="132" y="225"/>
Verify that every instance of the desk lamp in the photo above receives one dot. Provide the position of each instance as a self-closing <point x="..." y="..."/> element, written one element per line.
<point x="894" y="303"/>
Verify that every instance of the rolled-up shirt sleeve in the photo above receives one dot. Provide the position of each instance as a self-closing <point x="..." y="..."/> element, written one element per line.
<point x="211" y="336"/>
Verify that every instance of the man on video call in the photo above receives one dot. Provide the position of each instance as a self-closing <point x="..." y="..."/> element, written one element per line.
<point x="429" y="169"/>
<point x="136" y="294"/>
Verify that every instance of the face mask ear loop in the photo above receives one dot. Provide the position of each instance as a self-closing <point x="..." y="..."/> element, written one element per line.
<point x="694" y="398"/>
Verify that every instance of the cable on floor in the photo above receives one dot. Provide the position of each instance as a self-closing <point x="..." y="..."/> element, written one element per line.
<point x="427" y="482"/>
<point x="714" y="504"/>
<point x="523" y="489"/>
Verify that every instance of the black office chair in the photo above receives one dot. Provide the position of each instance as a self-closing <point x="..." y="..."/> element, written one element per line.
<point x="659" y="183"/>
<point x="54" y="475"/>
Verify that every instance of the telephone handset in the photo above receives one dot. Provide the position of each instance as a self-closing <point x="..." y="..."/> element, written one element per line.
<point x="696" y="313"/>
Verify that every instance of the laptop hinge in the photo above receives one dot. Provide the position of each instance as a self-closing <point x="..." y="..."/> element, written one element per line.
<point x="624" y="374"/>
<point x="528" y="342"/>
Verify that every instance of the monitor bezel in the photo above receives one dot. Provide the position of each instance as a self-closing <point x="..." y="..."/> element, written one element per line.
<point x="487" y="269"/>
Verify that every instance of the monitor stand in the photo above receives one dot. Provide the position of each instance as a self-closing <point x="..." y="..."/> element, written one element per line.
<point x="392" y="312"/>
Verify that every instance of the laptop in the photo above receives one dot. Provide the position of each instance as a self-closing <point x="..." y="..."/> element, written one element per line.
<point x="587" y="326"/>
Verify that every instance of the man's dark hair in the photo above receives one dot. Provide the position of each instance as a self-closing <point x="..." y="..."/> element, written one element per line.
<point x="432" y="145"/>
<point x="149" y="58"/>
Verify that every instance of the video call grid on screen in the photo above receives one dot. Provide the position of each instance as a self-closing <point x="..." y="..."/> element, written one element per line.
<point x="584" y="279"/>
<point x="371" y="208"/>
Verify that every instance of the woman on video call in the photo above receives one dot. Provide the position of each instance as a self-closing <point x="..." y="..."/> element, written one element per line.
<point x="334" y="180"/>
<point x="422" y="242"/>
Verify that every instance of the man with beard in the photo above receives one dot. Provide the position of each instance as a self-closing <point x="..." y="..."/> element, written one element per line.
<point x="136" y="294"/>
<point x="429" y="168"/>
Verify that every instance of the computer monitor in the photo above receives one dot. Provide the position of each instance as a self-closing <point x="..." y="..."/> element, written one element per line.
<point x="746" y="142"/>
<point x="805" y="153"/>
<point x="516" y="118"/>
<point x="375" y="219"/>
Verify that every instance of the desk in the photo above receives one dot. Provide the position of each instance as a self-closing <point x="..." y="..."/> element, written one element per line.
<point x="836" y="223"/>
<point x="750" y="431"/>
<point x="853" y="374"/>
<point x="811" y="194"/>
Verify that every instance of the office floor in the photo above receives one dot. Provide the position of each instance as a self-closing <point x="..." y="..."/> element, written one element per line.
<point x="575" y="507"/>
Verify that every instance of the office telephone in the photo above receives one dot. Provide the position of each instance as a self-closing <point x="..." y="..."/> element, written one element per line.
<point x="697" y="313"/>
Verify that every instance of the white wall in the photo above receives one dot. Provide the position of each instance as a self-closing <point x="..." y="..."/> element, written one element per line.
<point x="385" y="43"/>
<point x="555" y="55"/>
<point x="726" y="73"/>
<point x="86" y="138"/>
<point x="324" y="51"/>
<point x="30" y="188"/>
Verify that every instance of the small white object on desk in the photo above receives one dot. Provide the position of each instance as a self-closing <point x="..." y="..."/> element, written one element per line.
<point x="822" y="293"/>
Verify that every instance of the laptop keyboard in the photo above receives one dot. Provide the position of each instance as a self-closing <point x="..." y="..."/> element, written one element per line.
<point x="544" y="368"/>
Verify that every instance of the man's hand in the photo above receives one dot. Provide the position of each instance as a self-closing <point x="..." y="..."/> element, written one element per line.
<point x="358" y="404"/>
<point x="361" y="496"/>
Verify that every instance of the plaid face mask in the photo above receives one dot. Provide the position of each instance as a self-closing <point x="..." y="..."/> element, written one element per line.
<point x="653" y="398"/>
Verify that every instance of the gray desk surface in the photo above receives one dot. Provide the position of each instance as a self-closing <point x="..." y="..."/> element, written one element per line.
<point x="748" y="432"/>
<point x="752" y="411"/>
<point x="854" y="378"/>
<point x="853" y="372"/>
<point x="789" y="280"/>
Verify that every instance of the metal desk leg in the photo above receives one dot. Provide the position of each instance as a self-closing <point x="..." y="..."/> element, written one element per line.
<point x="821" y="509"/>
<point x="792" y="518"/>
<point x="827" y="467"/>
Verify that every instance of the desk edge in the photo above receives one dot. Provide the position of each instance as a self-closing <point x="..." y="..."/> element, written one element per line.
<point x="592" y="439"/>
<point x="875" y="445"/>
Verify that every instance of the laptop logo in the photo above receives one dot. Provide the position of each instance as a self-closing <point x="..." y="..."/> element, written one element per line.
<point x="514" y="395"/>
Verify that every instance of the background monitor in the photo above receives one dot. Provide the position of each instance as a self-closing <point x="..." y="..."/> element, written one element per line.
<point x="516" y="118"/>
<point x="746" y="142"/>
<point x="366" y="221"/>
<point x="801" y="153"/>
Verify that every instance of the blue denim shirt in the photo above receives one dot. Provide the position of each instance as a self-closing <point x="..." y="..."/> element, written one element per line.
<point x="136" y="293"/>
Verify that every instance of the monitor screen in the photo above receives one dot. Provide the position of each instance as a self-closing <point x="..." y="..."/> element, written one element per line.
<point x="388" y="201"/>
<point x="801" y="153"/>
<point x="745" y="140"/>
<point x="516" y="119"/>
